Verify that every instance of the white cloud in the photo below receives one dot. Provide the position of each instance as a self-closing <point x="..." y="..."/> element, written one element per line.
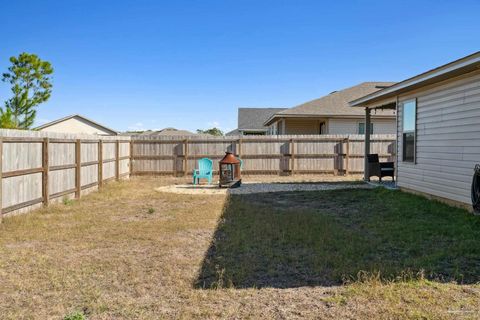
<point x="213" y="124"/>
<point x="138" y="126"/>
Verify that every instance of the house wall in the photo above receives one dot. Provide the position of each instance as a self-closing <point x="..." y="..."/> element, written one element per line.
<point x="301" y="126"/>
<point x="350" y="126"/>
<point x="333" y="126"/>
<point x="76" y="126"/>
<point x="448" y="139"/>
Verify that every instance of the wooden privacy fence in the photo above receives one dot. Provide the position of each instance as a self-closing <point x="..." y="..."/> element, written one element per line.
<point x="38" y="167"/>
<point x="336" y="154"/>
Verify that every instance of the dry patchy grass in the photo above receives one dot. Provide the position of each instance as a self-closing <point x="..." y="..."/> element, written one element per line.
<point x="129" y="252"/>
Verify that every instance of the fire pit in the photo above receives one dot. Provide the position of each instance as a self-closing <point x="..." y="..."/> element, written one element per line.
<point x="230" y="175"/>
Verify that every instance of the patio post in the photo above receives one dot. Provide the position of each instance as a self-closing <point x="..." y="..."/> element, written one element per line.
<point x="367" y="142"/>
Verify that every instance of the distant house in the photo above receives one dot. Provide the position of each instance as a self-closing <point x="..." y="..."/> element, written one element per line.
<point x="438" y="138"/>
<point x="167" y="132"/>
<point x="331" y="114"/>
<point x="76" y="124"/>
<point x="250" y="121"/>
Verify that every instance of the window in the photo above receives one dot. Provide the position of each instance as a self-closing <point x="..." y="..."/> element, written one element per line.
<point x="409" y="130"/>
<point x="273" y="129"/>
<point x="361" y="128"/>
<point x="322" y="128"/>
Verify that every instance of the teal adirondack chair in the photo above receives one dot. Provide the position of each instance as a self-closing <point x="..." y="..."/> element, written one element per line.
<point x="241" y="163"/>
<point x="205" y="170"/>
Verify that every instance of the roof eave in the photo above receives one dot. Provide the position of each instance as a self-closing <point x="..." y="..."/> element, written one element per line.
<point x="250" y="129"/>
<point x="464" y="65"/>
<point x="342" y="116"/>
<point x="49" y="124"/>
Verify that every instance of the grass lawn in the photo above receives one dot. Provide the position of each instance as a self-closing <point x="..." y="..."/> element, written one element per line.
<point x="129" y="252"/>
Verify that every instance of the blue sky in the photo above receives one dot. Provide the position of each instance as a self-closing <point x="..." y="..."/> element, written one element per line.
<point x="191" y="64"/>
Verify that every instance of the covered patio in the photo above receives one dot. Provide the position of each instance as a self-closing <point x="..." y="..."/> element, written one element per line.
<point x="390" y="104"/>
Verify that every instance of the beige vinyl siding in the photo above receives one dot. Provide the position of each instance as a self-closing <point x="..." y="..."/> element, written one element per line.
<point x="302" y="126"/>
<point x="384" y="126"/>
<point x="333" y="126"/>
<point x="76" y="126"/>
<point x="447" y="139"/>
<point x="343" y="126"/>
<point x="350" y="126"/>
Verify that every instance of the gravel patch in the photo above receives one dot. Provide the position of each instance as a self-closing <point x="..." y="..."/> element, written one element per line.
<point x="285" y="187"/>
<point x="259" y="187"/>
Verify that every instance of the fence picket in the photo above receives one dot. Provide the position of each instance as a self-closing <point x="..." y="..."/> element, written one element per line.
<point x="39" y="167"/>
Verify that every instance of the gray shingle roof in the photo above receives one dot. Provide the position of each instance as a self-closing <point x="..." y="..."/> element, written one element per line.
<point x="253" y="118"/>
<point x="166" y="132"/>
<point x="337" y="102"/>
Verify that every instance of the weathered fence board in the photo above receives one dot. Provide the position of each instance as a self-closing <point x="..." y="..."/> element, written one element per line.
<point x="39" y="166"/>
<point x="336" y="154"/>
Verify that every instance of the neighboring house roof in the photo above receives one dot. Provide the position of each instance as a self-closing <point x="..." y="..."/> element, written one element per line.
<point x="80" y="118"/>
<point x="446" y="71"/>
<point x="336" y="104"/>
<point x="234" y="132"/>
<point x="169" y="132"/>
<point x="252" y="119"/>
<point x="166" y="132"/>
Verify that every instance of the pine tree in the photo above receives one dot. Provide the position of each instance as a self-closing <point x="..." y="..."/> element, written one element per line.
<point x="31" y="85"/>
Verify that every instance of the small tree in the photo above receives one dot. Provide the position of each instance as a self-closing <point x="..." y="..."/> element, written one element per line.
<point x="31" y="84"/>
<point x="6" y="119"/>
<point x="212" y="131"/>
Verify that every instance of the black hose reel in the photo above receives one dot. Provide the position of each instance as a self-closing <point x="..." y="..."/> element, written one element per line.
<point x="476" y="190"/>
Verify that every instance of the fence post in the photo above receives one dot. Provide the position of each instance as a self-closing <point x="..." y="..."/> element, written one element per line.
<point x="1" y="180"/>
<point x="78" y="169"/>
<point x="117" y="160"/>
<point x="45" y="165"/>
<point x="131" y="157"/>
<point x="100" y="163"/>
<point x="185" y="157"/>
<point x="347" y="156"/>
<point x="292" y="157"/>
<point x="239" y="151"/>
<point x="336" y="156"/>
<point x="175" y="159"/>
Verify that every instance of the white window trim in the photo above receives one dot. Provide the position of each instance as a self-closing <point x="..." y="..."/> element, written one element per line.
<point x="371" y="129"/>
<point x="414" y="131"/>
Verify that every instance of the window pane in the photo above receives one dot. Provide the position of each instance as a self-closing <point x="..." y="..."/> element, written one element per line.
<point x="361" y="128"/>
<point x="408" y="146"/>
<point x="409" y="115"/>
<point x="409" y="127"/>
